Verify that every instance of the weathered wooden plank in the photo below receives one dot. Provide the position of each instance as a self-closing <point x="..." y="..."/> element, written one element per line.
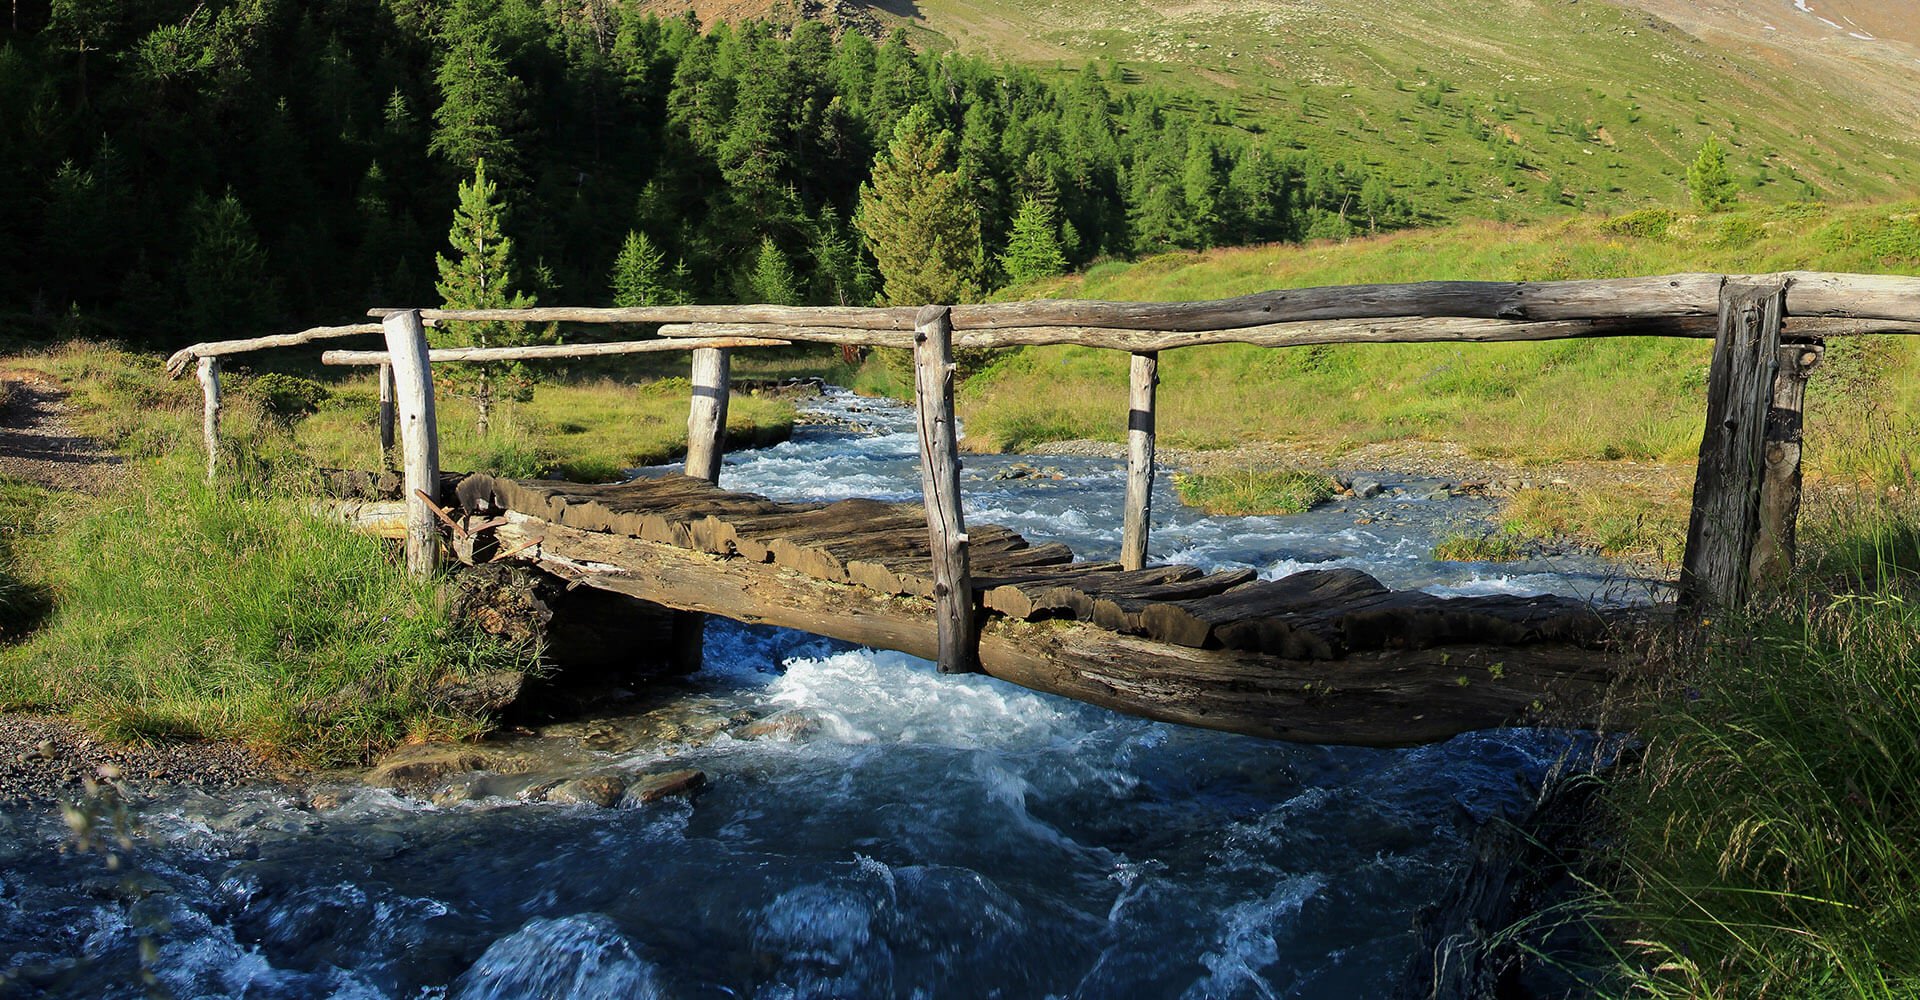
<point x="210" y="413"/>
<point x="1715" y="570"/>
<point x="1071" y="595"/>
<point x="1252" y="616"/>
<point x="1773" y="550"/>
<point x="536" y="352"/>
<point x="1120" y="608"/>
<point x="1381" y="698"/>
<point x="1144" y="375"/>
<point x="940" y="487"/>
<point x="419" y="437"/>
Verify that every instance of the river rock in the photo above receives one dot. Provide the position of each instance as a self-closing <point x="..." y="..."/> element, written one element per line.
<point x="414" y="768"/>
<point x="1365" y="488"/>
<point x="482" y="695"/>
<point x="654" y="787"/>
<point x="788" y="726"/>
<point x="601" y="790"/>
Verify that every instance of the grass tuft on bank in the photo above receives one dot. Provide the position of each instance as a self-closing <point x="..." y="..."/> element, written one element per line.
<point x="1252" y="491"/>
<point x="1764" y="840"/>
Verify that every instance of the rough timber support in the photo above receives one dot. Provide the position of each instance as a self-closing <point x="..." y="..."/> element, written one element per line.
<point x="419" y="437"/>
<point x="210" y="416"/>
<point x="1143" y="377"/>
<point x="711" y="371"/>
<point x="933" y="372"/>
<point x="1721" y="535"/>
<point x="1774" y="550"/>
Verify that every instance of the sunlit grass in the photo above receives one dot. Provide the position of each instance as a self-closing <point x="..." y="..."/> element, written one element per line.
<point x="1253" y="492"/>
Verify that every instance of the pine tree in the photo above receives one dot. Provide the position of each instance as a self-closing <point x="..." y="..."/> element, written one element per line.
<point x="1033" y="249"/>
<point x="916" y="217"/>
<point x="771" y="280"/>
<point x="1707" y="179"/>
<point x="841" y="274"/>
<point x="480" y="277"/>
<point x="638" y="274"/>
<point x="226" y="279"/>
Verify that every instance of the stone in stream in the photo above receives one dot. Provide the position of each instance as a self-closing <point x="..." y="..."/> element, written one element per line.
<point x="412" y="769"/>
<point x="654" y="787"/>
<point x="795" y="724"/>
<point x="603" y="790"/>
<point x="1365" y="488"/>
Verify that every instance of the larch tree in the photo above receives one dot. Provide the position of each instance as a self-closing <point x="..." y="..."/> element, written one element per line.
<point x="639" y="274"/>
<point x="917" y="218"/>
<point x="1033" y="248"/>
<point x="1708" y="182"/>
<point x="479" y="276"/>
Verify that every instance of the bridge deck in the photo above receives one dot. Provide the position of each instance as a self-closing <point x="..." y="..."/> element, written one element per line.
<point x="1321" y="656"/>
<point x="1314" y="615"/>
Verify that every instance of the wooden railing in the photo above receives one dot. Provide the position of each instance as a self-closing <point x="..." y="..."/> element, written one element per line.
<point x="1768" y="331"/>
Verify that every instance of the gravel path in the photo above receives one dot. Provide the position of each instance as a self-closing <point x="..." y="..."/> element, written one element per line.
<point x="42" y="758"/>
<point x="38" y="443"/>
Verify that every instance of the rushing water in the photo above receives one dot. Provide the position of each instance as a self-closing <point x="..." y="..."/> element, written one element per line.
<point x="921" y="836"/>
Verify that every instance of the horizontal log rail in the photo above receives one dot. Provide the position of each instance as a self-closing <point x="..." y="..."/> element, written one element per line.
<point x="546" y="351"/>
<point x="1412" y="330"/>
<point x="1811" y="294"/>
<point x="183" y="359"/>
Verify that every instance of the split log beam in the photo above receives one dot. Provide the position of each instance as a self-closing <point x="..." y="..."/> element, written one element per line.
<point x="210" y="416"/>
<point x="1773" y="551"/>
<point x="933" y="372"/>
<point x="1379" y="698"/>
<point x="419" y="437"/>
<point x="538" y="352"/>
<point x="1715" y="571"/>
<point x="1143" y="376"/>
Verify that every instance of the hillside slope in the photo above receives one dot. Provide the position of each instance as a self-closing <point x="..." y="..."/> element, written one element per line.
<point x="1511" y="109"/>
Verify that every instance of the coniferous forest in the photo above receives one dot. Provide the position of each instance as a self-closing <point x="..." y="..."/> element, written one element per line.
<point x="173" y="167"/>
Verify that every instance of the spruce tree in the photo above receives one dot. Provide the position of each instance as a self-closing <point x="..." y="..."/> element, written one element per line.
<point x="1707" y="179"/>
<point x="917" y="219"/>
<point x="771" y="280"/>
<point x="480" y="276"/>
<point x="639" y="274"/>
<point x="1033" y="249"/>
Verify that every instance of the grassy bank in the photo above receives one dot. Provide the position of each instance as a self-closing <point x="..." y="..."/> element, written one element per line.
<point x="170" y="608"/>
<point x="1763" y="842"/>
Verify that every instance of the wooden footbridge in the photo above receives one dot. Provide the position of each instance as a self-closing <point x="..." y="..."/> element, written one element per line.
<point x="1321" y="656"/>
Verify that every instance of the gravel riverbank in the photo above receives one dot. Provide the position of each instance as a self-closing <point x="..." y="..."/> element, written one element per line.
<point x="45" y="760"/>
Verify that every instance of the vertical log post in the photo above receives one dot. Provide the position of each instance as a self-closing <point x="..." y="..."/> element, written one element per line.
<point x="933" y="372"/>
<point x="210" y="420"/>
<point x="706" y="445"/>
<point x="386" y="413"/>
<point x="1140" y="391"/>
<point x="1773" y="551"/>
<point x="707" y="417"/>
<point x="1715" y="572"/>
<point x="419" y="436"/>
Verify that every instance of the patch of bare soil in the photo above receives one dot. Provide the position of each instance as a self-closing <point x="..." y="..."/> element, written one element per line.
<point x="38" y="443"/>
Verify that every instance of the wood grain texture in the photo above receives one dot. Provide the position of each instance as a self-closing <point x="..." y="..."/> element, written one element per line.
<point x="1775" y="546"/>
<point x="933" y="375"/>
<point x="1725" y="522"/>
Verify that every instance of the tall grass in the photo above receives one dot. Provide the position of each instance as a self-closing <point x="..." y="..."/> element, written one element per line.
<point x="1765" y="842"/>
